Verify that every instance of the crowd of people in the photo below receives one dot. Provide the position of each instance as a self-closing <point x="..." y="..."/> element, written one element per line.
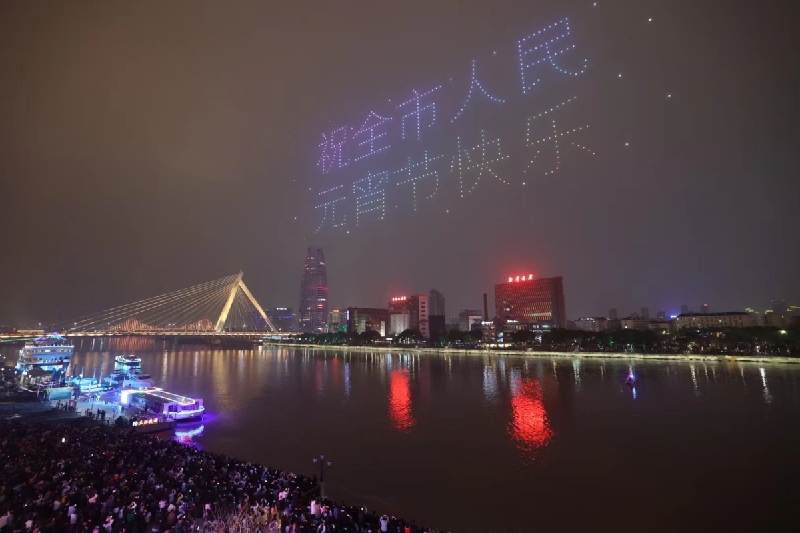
<point x="80" y="478"/>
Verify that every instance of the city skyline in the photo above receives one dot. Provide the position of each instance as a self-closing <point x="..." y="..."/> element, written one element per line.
<point x="153" y="147"/>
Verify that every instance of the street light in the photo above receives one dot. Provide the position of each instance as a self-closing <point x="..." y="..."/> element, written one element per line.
<point x="322" y="463"/>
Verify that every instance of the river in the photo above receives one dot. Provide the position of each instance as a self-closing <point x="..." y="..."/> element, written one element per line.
<point x="503" y="443"/>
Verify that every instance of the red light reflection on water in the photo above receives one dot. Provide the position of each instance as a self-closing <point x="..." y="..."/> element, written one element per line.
<point x="529" y="425"/>
<point x="400" y="401"/>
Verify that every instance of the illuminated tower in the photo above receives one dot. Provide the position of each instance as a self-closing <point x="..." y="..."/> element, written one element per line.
<point x="532" y="302"/>
<point x="313" y="311"/>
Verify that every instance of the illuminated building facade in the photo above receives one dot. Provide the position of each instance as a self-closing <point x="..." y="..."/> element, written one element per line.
<point x="313" y="310"/>
<point x="361" y="319"/>
<point x="282" y="318"/>
<point x="716" y="320"/>
<point x="416" y="306"/>
<point x="533" y="302"/>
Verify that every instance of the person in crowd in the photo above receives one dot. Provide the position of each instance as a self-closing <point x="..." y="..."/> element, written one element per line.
<point x="85" y="479"/>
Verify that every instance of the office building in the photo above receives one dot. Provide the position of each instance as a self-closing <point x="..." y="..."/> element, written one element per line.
<point x="436" y="314"/>
<point x="612" y="313"/>
<point x="467" y="318"/>
<point x="313" y="310"/>
<point x="337" y="321"/>
<point x="684" y="309"/>
<point x="645" y="313"/>
<point x="533" y="302"/>
<point x="282" y="318"/>
<point x="416" y="306"/>
<point x="704" y="309"/>
<point x="716" y="320"/>
<point x="435" y="303"/>
<point x="661" y="315"/>
<point x="361" y="319"/>
<point x="399" y="322"/>
<point x="591" y="324"/>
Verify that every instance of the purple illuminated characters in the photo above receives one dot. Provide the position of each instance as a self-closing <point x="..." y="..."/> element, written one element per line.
<point x="369" y="135"/>
<point x="476" y="162"/>
<point x="422" y="114"/>
<point x="331" y="148"/>
<point x="416" y="172"/>
<point x="474" y="85"/>
<point x="329" y="199"/>
<point x="542" y="48"/>
<point x="370" y="194"/>
<point x="551" y="136"/>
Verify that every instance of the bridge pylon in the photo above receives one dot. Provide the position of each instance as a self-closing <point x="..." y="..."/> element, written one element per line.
<point x="236" y="286"/>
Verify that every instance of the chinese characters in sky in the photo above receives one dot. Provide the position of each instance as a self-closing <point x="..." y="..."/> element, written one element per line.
<point x="387" y="155"/>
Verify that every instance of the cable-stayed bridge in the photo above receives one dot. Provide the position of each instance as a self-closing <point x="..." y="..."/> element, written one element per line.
<point x="224" y="307"/>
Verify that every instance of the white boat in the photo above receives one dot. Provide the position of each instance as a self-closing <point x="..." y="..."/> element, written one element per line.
<point x="87" y="385"/>
<point x="127" y="363"/>
<point x="167" y="404"/>
<point x="121" y="379"/>
<point x="47" y="353"/>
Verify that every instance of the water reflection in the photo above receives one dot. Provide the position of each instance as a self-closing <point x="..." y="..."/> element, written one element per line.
<point x="529" y="427"/>
<point x="400" y="401"/>
<point x="767" y="395"/>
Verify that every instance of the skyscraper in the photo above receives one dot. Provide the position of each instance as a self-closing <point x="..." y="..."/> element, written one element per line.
<point x="612" y="313"/>
<point x="684" y="309"/>
<point x="313" y="309"/>
<point x="436" y="316"/>
<point x="435" y="303"/>
<point x="645" y="313"/>
<point x="537" y="302"/>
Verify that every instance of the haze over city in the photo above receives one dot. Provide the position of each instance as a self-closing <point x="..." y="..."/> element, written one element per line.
<point x="149" y="147"/>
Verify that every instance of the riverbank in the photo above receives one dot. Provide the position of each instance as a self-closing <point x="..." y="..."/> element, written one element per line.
<point x="569" y="355"/>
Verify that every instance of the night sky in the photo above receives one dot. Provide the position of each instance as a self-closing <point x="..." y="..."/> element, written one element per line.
<point x="150" y="146"/>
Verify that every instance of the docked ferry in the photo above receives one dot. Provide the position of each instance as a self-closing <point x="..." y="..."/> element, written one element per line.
<point x="127" y="379"/>
<point x="47" y="353"/>
<point x="128" y="363"/>
<point x="166" y="404"/>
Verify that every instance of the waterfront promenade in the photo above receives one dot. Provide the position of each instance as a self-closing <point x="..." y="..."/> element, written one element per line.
<point x="549" y="354"/>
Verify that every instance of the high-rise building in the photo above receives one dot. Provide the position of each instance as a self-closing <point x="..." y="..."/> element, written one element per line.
<point x="313" y="310"/>
<point x="435" y="303"/>
<point x="684" y="309"/>
<point x="534" y="302"/>
<point x="704" y="309"/>
<point x="645" y="313"/>
<point x="661" y="315"/>
<point x="337" y="321"/>
<point x="436" y="316"/>
<point x="282" y="318"/>
<point x="612" y="313"/>
<point x="416" y="306"/>
<point x="469" y="317"/>
<point x="361" y="319"/>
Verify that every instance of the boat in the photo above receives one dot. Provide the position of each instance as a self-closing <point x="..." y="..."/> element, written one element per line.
<point x="630" y="380"/>
<point x="46" y="354"/>
<point x="127" y="362"/>
<point x="87" y="385"/>
<point x="122" y="379"/>
<point x="171" y="406"/>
